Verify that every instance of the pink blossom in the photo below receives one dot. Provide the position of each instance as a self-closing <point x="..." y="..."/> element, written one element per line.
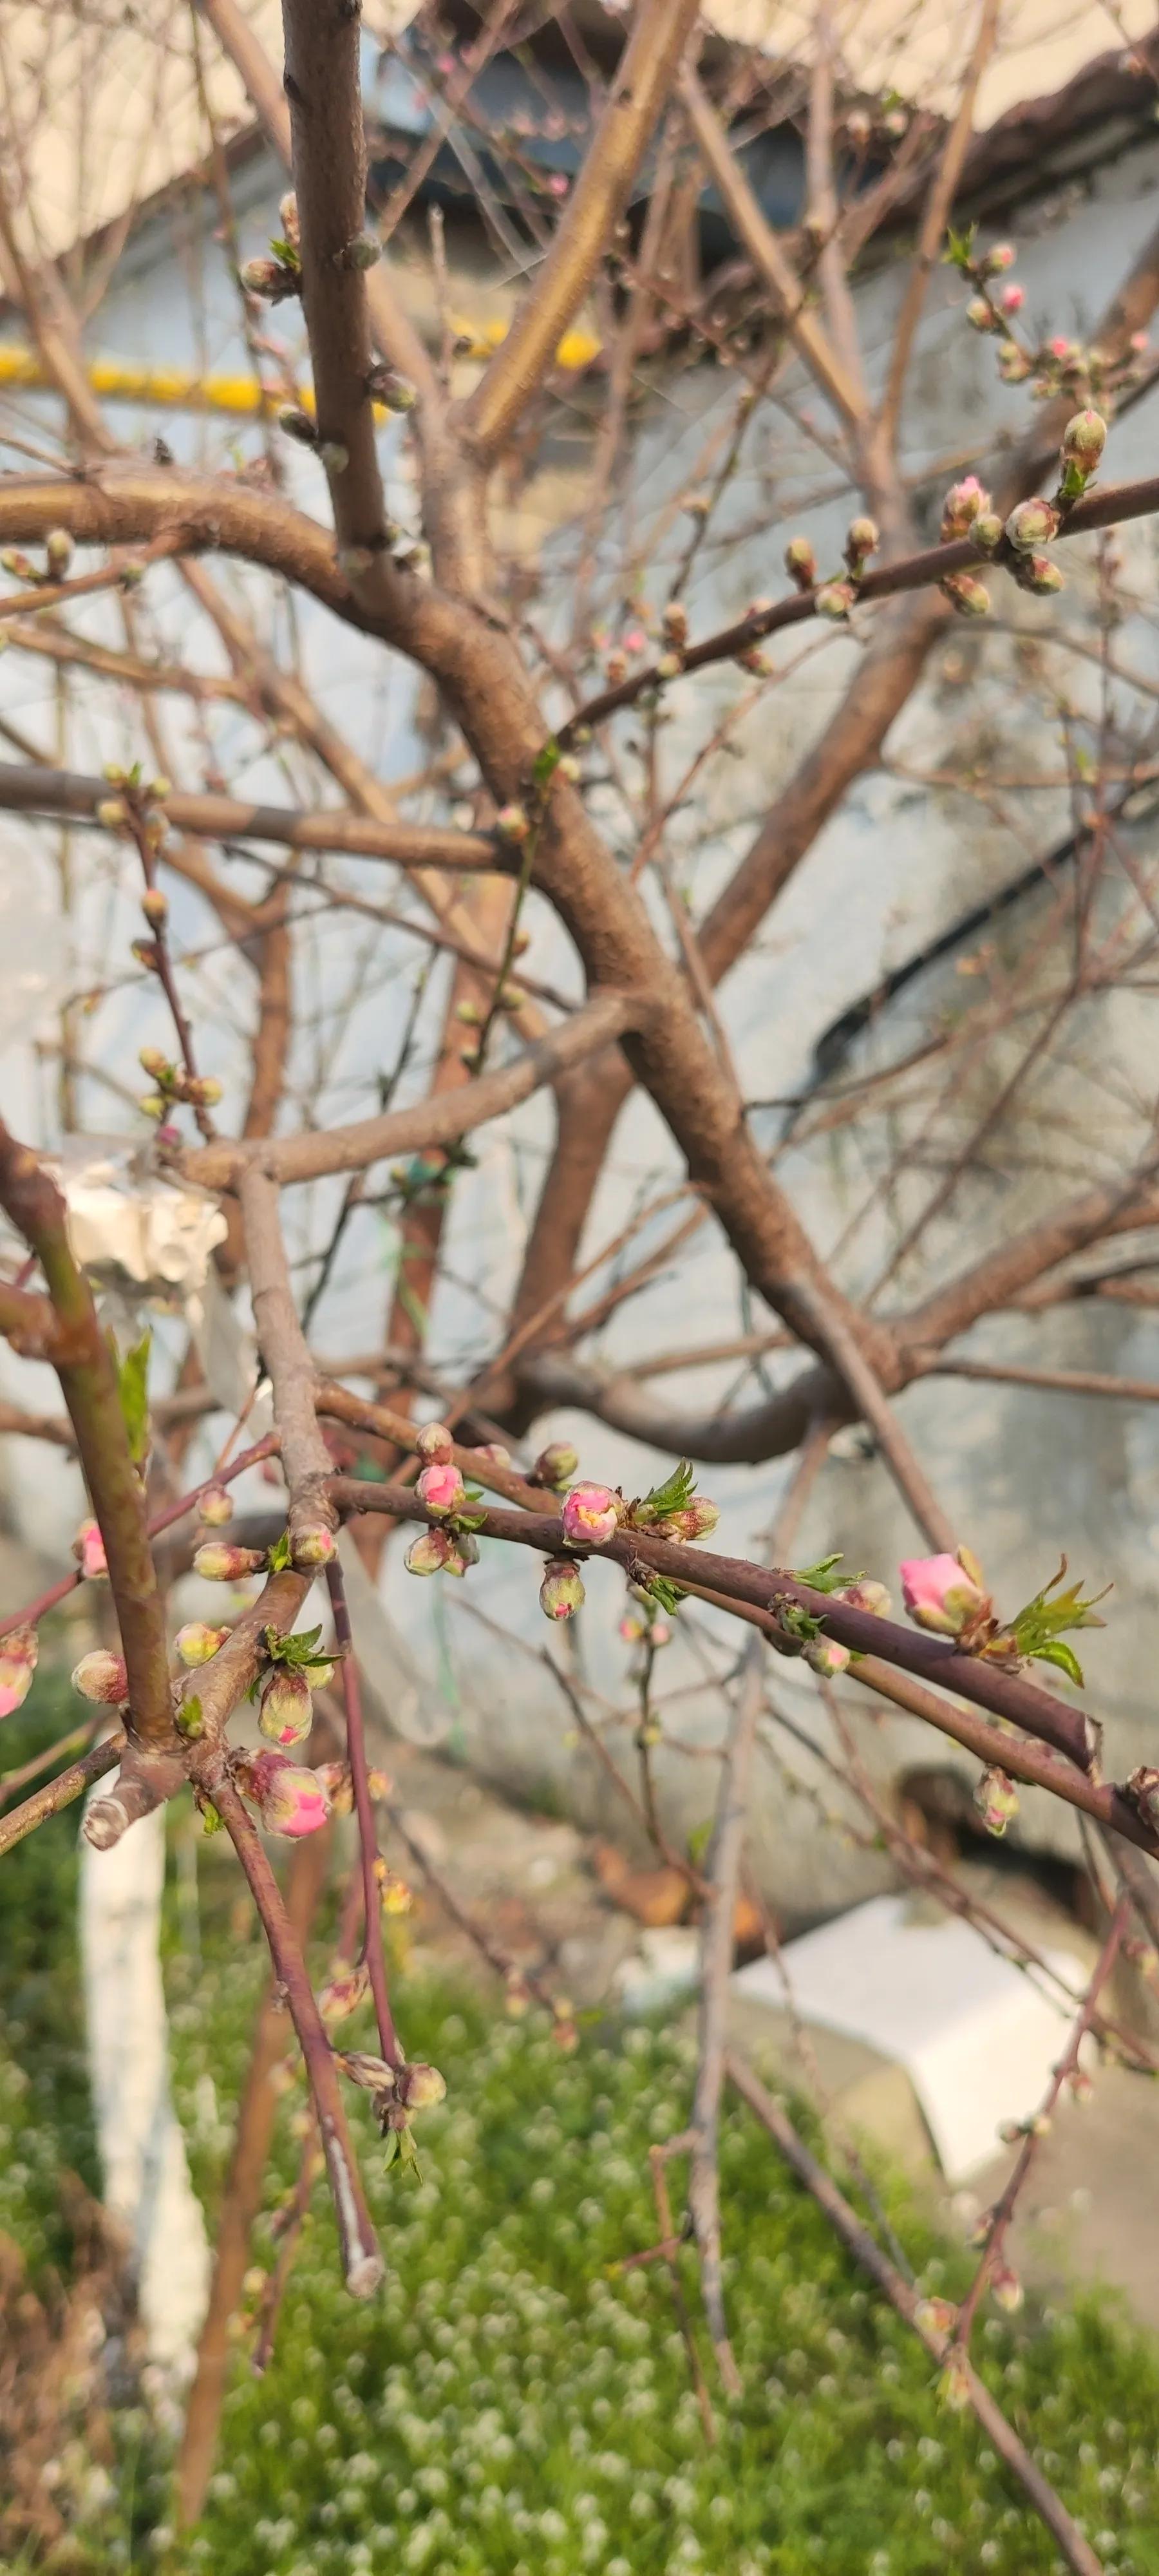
<point x="289" y="1799"/>
<point x="88" y="1547"/>
<point x="590" y="1512"/>
<point x="1061" y="348"/>
<point x="1012" y="298"/>
<point x="940" y="1594"/>
<point x="441" y="1487"/>
<point x="558" y="185"/>
<point x="18" y="1653"/>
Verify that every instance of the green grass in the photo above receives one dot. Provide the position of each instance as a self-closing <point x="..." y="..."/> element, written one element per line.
<point x="508" y="2405"/>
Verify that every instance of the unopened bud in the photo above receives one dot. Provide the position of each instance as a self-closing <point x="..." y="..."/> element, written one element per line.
<point x="289" y="1799"/>
<point x="801" y="562"/>
<point x="463" y="1551"/>
<point x="362" y="252"/>
<point x="428" y="1553"/>
<point x="569" y="768"/>
<point x="393" y="391"/>
<point x="962" y="505"/>
<point x="561" y="1592"/>
<point x="1032" y="523"/>
<point x="1012" y="299"/>
<point x="1006" y="2289"/>
<point x="441" y="1487"/>
<point x="835" y="599"/>
<point x="344" y="1991"/>
<point x="102" y="1676"/>
<point x="288" y="218"/>
<point x="262" y="276"/>
<point x="204" y="1090"/>
<point x="827" y="1657"/>
<point x="954" y="2387"/>
<point x="18" y="1654"/>
<point x="986" y="532"/>
<point x="155" y="1064"/>
<point x="867" y="1594"/>
<point x="58" y="548"/>
<point x="196" y="1643"/>
<point x="517" y="1997"/>
<point x="591" y="1513"/>
<point x="88" y="1547"/>
<point x="420" y="2087"/>
<point x="863" y="539"/>
<point x="675" y="623"/>
<point x="996" y="1800"/>
<point x="512" y="824"/>
<point x="669" y="666"/>
<point x="155" y="906"/>
<point x="1013" y="364"/>
<point x="111" y="813"/>
<point x="1038" y="574"/>
<point x="979" y="315"/>
<point x="333" y="455"/>
<point x="434" y="1445"/>
<point x="220" y="1563"/>
<point x="297" y="423"/>
<point x="698" y="1519"/>
<point x="286" y="1714"/>
<point x="998" y="260"/>
<point x="555" y="1464"/>
<point x="967" y="594"/>
<point x="1084" y="439"/>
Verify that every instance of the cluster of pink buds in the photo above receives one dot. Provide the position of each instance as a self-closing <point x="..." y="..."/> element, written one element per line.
<point x="18" y="1654"/>
<point x="946" y="1594"/>
<point x="290" y="1800"/>
<point x="102" y="1676"/>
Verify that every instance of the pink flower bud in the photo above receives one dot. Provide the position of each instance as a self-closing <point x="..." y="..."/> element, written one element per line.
<point x="835" y="599"/>
<point x="420" y="2087"/>
<point x="1006" y="2289"/>
<point x="88" y="1547"/>
<point x="344" y="1991"/>
<point x="286" y="1714"/>
<point x="555" y="1464"/>
<point x="102" y="1676"/>
<point x="935" y="2316"/>
<point x="18" y="1654"/>
<point x="632" y="1629"/>
<point x="698" y="1519"/>
<point x="940" y="1594"/>
<point x="561" y="1592"/>
<point x="996" y="1800"/>
<point x="441" y="1488"/>
<point x="961" y="506"/>
<point x="434" y="1445"/>
<point x="1140" y="343"/>
<point x="590" y="1512"/>
<point x="999" y="259"/>
<point x="289" y="1799"/>
<point x="511" y="823"/>
<point x="315" y="1545"/>
<point x="1084" y="439"/>
<point x="986" y="532"/>
<point x="827" y="1657"/>
<point x="1012" y="299"/>
<point x="868" y="1595"/>
<point x="635" y="641"/>
<point x="215" y="1507"/>
<point x="801" y="562"/>
<point x="217" y="1562"/>
<point x="261" y="276"/>
<point x="428" y="1553"/>
<point x="967" y="594"/>
<point x="1032" y="523"/>
<point x="197" y="1644"/>
<point x="1040" y="575"/>
<point x="1063" y="349"/>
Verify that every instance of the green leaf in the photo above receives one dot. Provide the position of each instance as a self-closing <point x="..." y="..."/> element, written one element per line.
<point x="671" y="1496"/>
<point x="133" y="1390"/>
<point x="1042" y="1621"/>
<point x="285" y="253"/>
<point x="279" y="1557"/>
<point x="667" y="1596"/>
<point x="959" y="250"/>
<point x="546" y="762"/>
<point x="821" y="1577"/>
<point x="796" y="1622"/>
<point x="389" y="2148"/>
<point x="1056" y="1652"/>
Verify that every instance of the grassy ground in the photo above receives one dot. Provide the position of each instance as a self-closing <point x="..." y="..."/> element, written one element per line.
<point x="508" y="2404"/>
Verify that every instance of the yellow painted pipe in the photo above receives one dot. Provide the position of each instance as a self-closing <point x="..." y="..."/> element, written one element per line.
<point x="175" y="389"/>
